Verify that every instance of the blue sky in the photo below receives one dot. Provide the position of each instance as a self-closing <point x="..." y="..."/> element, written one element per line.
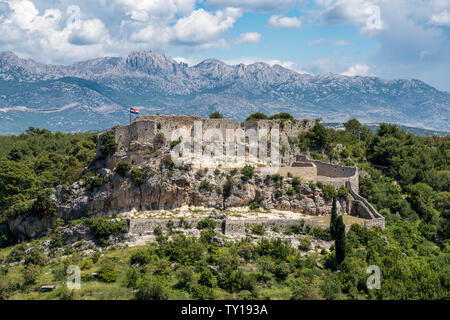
<point x="386" y="38"/>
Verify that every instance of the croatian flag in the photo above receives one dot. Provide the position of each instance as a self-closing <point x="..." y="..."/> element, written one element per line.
<point x="134" y="111"/>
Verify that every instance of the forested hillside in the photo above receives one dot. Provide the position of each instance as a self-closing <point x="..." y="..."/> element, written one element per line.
<point x="405" y="177"/>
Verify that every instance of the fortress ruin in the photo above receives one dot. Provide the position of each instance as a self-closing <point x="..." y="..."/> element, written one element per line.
<point x="193" y="135"/>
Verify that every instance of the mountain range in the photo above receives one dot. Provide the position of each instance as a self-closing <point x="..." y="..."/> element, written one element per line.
<point x="96" y="94"/>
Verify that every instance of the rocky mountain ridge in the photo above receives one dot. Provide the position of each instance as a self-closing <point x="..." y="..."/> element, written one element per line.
<point x="96" y="94"/>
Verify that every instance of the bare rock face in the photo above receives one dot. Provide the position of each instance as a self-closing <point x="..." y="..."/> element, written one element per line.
<point x="171" y="189"/>
<point x="30" y="227"/>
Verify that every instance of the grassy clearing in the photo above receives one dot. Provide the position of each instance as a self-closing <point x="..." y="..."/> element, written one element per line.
<point x="348" y="220"/>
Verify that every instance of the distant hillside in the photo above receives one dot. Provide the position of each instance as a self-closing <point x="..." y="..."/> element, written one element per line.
<point x="374" y="127"/>
<point x="96" y="94"/>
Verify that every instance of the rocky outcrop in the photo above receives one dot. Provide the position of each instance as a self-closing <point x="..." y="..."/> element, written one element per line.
<point x="176" y="187"/>
<point x="29" y="227"/>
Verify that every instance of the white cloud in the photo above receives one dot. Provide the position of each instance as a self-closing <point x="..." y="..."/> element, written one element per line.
<point x="249" y="37"/>
<point x="279" y="21"/>
<point x="334" y="43"/>
<point x="202" y="26"/>
<point x="318" y="66"/>
<point x="90" y="32"/>
<point x="357" y="70"/>
<point x="441" y="19"/>
<point x="254" y="5"/>
<point x="285" y="64"/>
<point x="189" y="62"/>
<point x="366" y="14"/>
<point x="140" y="9"/>
<point x="46" y="31"/>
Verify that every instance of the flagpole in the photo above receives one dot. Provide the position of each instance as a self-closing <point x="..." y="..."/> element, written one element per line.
<point x="130" y="116"/>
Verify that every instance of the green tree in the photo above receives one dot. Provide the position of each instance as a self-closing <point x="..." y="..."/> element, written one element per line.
<point x="215" y="115"/>
<point x="257" y="116"/>
<point x="421" y="199"/>
<point x="282" y="116"/>
<point x="109" y="144"/>
<point x="353" y="126"/>
<point x="137" y="176"/>
<point x="151" y="289"/>
<point x="319" y="136"/>
<point x="333" y="219"/>
<point x="122" y="168"/>
<point x="340" y="242"/>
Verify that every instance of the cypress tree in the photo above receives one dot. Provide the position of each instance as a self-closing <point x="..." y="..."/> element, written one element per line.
<point x="340" y="240"/>
<point x="333" y="219"/>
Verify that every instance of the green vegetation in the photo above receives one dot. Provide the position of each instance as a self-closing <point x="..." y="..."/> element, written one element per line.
<point x="282" y="116"/>
<point x="247" y="173"/>
<point x="37" y="160"/>
<point x="257" y="116"/>
<point x="138" y="176"/>
<point x="405" y="177"/>
<point x="102" y="228"/>
<point x="122" y="168"/>
<point x="109" y="144"/>
<point x="215" y="115"/>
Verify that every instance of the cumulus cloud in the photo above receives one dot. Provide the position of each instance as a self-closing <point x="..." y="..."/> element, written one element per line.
<point x="441" y="19"/>
<point x="202" y="26"/>
<point x="366" y="14"/>
<point x="90" y="32"/>
<point x="280" y="21"/>
<point x="249" y="37"/>
<point x="254" y="5"/>
<point x="139" y="9"/>
<point x="58" y="31"/>
<point x="413" y="35"/>
<point x="357" y="70"/>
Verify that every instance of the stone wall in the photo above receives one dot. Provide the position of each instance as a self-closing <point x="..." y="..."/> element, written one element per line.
<point x="305" y="171"/>
<point x="334" y="174"/>
<point x="361" y="207"/>
<point x="226" y="227"/>
<point x="144" y="128"/>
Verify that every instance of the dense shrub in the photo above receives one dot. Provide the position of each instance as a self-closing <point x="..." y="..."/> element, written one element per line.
<point x="31" y="274"/>
<point x="254" y="206"/>
<point x="257" y="116"/>
<point x="137" y="176"/>
<point x="247" y="173"/>
<point x="329" y="191"/>
<point x="215" y="115"/>
<point x="140" y="257"/>
<point x="282" y="116"/>
<point x="109" y="144"/>
<point x="151" y="289"/>
<point x="102" y="227"/>
<point x="123" y="168"/>
<point x="185" y="277"/>
<point x="206" y="224"/>
<point x="108" y="272"/>
<point x="94" y="182"/>
<point x="206" y="278"/>
<point x="258" y="229"/>
<point x="305" y="244"/>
